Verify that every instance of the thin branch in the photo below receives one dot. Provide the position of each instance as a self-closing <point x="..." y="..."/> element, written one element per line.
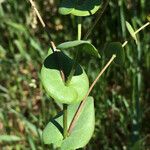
<point x="37" y="13"/>
<point x="74" y="66"/>
<point x="77" y="114"/>
<point x="144" y="26"/>
<point x="43" y="24"/>
<point x="65" y="118"/>
<point x="125" y="43"/>
<point x="79" y="28"/>
<point x="101" y="11"/>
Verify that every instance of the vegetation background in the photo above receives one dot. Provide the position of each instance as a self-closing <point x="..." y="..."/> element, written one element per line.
<point x="122" y="105"/>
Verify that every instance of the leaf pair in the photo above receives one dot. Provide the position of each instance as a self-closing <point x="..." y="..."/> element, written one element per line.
<point x="79" y="7"/>
<point x="81" y="133"/>
<point x="55" y="87"/>
<point x="80" y="45"/>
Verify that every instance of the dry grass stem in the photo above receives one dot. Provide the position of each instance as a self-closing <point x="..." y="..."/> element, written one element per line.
<point x="78" y="112"/>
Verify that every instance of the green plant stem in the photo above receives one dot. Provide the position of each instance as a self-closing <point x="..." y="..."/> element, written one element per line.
<point x="65" y="109"/>
<point x="73" y="70"/>
<point x="79" y="28"/>
<point x="74" y="66"/>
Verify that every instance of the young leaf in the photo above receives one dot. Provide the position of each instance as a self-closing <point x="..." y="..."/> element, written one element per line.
<point x="54" y="85"/>
<point x="80" y="45"/>
<point x="79" y="7"/>
<point x="115" y="48"/>
<point x="81" y="133"/>
<point x="131" y="31"/>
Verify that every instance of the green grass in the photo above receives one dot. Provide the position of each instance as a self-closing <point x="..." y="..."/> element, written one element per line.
<point x="121" y="95"/>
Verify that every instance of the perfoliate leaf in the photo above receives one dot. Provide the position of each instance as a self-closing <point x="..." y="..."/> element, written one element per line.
<point x="79" y="7"/>
<point x="80" y="45"/>
<point x="115" y="48"/>
<point x="52" y="81"/>
<point x="131" y="31"/>
<point x="81" y="133"/>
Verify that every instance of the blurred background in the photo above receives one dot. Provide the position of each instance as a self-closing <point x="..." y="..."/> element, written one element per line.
<point x="122" y="102"/>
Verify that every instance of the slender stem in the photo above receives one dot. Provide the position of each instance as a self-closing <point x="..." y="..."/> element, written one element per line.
<point x="125" y="43"/>
<point x="65" y="108"/>
<point x="37" y="13"/>
<point x="78" y="112"/>
<point x="79" y="28"/>
<point x="101" y="11"/>
<point x="73" y="70"/>
<point x="144" y="26"/>
<point x="136" y="32"/>
<point x="43" y="25"/>
<point x="74" y="66"/>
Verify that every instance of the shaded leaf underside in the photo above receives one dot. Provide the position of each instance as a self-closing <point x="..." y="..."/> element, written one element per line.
<point x="80" y="45"/>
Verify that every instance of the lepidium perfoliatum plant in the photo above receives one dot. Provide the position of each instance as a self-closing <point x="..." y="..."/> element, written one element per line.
<point x="66" y="82"/>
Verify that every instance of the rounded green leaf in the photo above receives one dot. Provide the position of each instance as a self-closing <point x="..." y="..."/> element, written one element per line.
<point x="80" y="45"/>
<point x="54" y="85"/>
<point x="115" y="48"/>
<point x="79" y="7"/>
<point x="81" y="133"/>
<point x="131" y="31"/>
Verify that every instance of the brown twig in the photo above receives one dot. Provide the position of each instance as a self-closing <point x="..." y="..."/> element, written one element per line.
<point x="78" y="112"/>
<point x="48" y="33"/>
<point x="37" y="13"/>
<point x="43" y="24"/>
